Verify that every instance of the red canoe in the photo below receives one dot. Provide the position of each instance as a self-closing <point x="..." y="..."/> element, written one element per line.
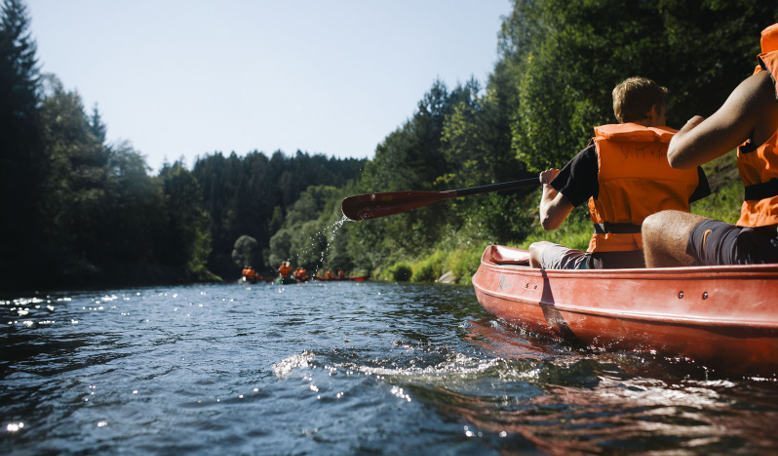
<point x="721" y="316"/>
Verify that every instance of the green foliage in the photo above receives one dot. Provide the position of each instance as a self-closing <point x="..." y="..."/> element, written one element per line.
<point x="568" y="56"/>
<point x="400" y="272"/>
<point x="311" y="233"/>
<point x="187" y="241"/>
<point x="461" y="262"/>
<point x="429" y="268"/>
<point x="254" y="195"/>
<point x="728" y="191"/>
<point x="464" y="262"/>
<point x="722" y="205"/>
<point x="244" y="252"/>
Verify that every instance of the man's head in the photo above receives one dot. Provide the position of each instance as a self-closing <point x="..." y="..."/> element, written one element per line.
<point x="640" y="100"/>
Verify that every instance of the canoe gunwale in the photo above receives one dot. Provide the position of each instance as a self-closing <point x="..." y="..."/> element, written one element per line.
<point x="689" y="272"/>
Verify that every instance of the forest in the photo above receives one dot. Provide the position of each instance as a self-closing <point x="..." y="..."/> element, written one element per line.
<point x="79" y="211"/>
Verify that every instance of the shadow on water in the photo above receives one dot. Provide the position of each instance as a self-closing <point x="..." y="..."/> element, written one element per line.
<point x="563" y="400"/>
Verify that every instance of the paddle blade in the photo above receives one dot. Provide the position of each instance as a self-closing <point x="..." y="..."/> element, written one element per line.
<point x="372" y="205"/>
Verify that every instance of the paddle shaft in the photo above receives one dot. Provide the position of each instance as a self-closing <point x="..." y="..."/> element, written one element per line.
<point x="372" y="205"/>
<point x="503" y="186"/>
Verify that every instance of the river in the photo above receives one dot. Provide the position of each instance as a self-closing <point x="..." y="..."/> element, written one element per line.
<point x="343" y="368"/>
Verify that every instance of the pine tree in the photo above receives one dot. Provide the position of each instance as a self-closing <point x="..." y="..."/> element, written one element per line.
<point x="22" y="160"/>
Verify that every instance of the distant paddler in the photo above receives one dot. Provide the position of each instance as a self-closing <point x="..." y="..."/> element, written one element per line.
<point x="249" y="274"/>
<point x="285" y="269"/>
<point x="300" y="274"/>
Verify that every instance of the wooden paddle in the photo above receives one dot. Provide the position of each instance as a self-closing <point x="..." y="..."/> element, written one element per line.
<point x="372" y="205"/>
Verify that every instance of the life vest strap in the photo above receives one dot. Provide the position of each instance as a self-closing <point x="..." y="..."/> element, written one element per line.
<point x="621" y="228"/>
<point x="762" y="190"/>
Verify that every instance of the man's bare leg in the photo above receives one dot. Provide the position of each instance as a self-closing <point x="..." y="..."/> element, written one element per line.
<point x="665" y="237"/>
<point x="536" y="253"/>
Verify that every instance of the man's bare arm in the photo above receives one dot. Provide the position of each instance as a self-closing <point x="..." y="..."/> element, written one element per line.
<point x="702" y="140"/>
<point x="554" y="207"/>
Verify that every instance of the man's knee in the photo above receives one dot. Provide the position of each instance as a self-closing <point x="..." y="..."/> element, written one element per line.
<point x="654" y="224"/>
<point x="536" y="252"/>
<point x="536" y="248"/>
<point x="666" y="236"/>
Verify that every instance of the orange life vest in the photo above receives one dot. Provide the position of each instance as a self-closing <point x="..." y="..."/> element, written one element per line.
<point x="635" y="180"/>
<point x="284" y="269"/>
<point x="759" y="166"/>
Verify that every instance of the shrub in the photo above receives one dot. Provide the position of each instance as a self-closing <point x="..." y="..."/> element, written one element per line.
<point x="429" y="268"/>
<point x="400" y="272"/>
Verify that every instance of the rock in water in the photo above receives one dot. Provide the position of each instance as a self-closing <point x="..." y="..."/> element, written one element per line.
<point x="447" y="277"/>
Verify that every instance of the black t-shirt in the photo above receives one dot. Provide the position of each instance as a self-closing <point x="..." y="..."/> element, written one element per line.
<point x="578" y="179"/>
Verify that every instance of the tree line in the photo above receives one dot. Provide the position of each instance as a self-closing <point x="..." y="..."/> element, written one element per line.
<point x="77" y="210"/>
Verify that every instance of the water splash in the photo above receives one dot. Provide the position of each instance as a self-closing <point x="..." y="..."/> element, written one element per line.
<point x="283" y="368"/>
<point x="328" y="234"/>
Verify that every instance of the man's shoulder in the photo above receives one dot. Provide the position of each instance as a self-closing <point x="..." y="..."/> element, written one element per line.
<point x="588" y="154"/>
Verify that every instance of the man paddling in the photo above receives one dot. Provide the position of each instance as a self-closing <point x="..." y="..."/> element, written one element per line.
<point x="748" y="118"/>
<point x="624" y="175"/>
<point x="285" y="269"/>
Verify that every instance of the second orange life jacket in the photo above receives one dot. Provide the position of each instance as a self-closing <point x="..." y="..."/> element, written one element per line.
<point x="635" y="180"/>
<point x="758" y="166"/>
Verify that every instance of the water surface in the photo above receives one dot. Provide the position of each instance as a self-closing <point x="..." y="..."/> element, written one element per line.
<point x="341" y="368"/>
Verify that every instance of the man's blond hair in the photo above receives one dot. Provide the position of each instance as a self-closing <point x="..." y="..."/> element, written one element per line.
<point x="634" y="97"/>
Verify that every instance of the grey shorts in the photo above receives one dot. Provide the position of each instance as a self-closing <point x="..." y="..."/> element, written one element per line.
<point x="556" y="256"/>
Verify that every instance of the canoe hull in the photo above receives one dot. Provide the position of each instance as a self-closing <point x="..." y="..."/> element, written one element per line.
<point x="723" y="317"/>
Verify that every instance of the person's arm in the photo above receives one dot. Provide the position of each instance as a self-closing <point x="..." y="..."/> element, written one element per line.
<point x="554" y="207"/>
<point x="701" y="140"/>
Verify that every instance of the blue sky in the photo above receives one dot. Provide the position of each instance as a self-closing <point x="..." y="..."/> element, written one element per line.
<point x="184" y="78"/>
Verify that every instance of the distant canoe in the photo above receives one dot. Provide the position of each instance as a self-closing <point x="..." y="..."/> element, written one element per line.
<point x="285" y="281"/>
<point x="345" y="279"/>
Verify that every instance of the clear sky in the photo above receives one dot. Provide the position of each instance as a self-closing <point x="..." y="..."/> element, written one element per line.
<point x="188" y="77"/>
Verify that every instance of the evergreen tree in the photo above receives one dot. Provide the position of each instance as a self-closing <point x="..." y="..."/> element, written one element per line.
<point x="96" y="125"/>
<point x="185" y="242"/>
<point x="22" y="160"/>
